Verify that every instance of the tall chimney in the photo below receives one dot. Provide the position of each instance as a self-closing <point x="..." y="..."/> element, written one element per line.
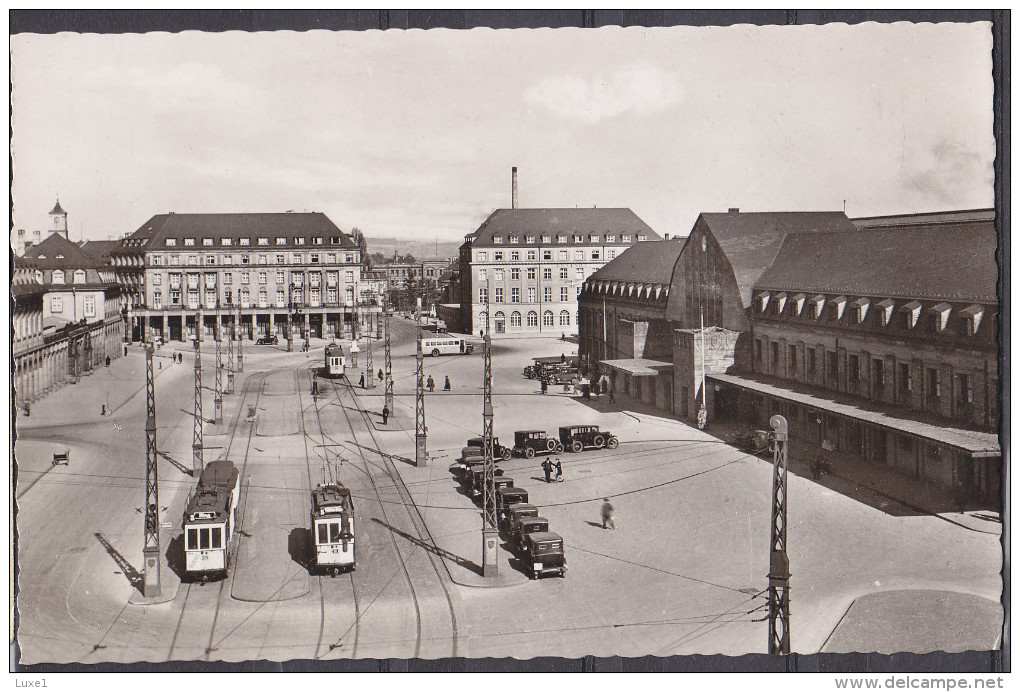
<point x="513" y="188"/>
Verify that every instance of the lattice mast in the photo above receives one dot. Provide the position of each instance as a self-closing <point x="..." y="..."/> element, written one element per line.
<point x="240" y="342"/>
<point x="150" y="549"/>
<point x="420" y="431"/>
<point x="197" y="443"/>
<point x="218" y="387"/>
<point x="387" y="362"/>
<point x="490" y="528"/>
<point x="779" y="561"/>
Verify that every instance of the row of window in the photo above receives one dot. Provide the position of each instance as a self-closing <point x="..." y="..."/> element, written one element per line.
<point x="883" y="313"/>
<point x="532" y="255"/>
<point x="561" y="238"/>
<point x="515" y="294"/>
<point x="548" y="319"/>
<point x="211" y="259"/>
<point x="530" y="273"/>
<point x="244" y="299"/>
<point x="314" y="278"/>
<point x="88" y="305"/>
<point x="262" y="240"/>
<point x="78" y="277"/>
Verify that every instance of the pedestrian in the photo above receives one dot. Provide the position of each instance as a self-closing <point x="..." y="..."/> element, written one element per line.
<point x="361" y="383"/>
<point x="380" y="375"/>
<point x="385" y="414"/>
<point x="545" y="386"/>
<point x="607" y="514"/>
<point x="28" y="409"/>
<point x="559" y="471"/>
<point x="481" y="333"/>
<point x="174" y="357"/>
<point x="447" y="387"/>
<point x="547" y="467"/>
<point x="612" y="394"/>
<point x="431" y="384"/>
<point x="563" y="357"/>
<point x="108" y="361"/>
<point x="125" y="349"/>
<point x="102" y="411"/>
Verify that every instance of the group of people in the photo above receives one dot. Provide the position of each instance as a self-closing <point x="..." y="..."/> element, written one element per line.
<point x="430" y="384"/>
<point x="176" y="357"/>
<point x="549" y="467"/>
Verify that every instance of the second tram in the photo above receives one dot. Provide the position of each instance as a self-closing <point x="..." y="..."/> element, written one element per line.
<point x="336" y="361"/>
<point x="209" y="521"/>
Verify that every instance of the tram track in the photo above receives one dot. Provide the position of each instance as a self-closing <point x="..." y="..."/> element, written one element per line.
<point x="414" y="516"/>
<point x="190" y="592"/>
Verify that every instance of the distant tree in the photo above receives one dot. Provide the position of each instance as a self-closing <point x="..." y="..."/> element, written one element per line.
<point x="378" y="259"/>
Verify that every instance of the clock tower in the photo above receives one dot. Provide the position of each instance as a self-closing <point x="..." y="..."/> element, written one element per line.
<point x="58" y="220"/>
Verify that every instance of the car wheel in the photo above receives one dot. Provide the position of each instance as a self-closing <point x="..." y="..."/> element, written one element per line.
<point x="435" y="352"/>
<point x="529" y="452"/>
<point x="576" y="446"/>
<point x="599" y="441"/>
<point x="559" y="447"/>
<point x="505" y="454"/>
<point x="551" y="445"/>
<point x="613" y="443"/>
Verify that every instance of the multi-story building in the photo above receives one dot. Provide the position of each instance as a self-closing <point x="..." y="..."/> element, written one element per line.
<point x="273" y="270"/>
<point x="530" y="265"/>
<point x="881" y="344"/>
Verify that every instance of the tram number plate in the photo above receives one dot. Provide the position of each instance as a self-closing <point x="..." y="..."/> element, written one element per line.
<point x="166" y="525"/>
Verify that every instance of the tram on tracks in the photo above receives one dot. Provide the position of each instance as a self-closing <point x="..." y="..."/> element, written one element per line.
<point x="333" y="528"/>
<point x="336" y="361"/>
<point x="209" y="520"/>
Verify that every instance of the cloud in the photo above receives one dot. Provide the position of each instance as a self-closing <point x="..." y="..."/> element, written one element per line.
<point x="948" y="170"/>
<point x="637" y="90"/>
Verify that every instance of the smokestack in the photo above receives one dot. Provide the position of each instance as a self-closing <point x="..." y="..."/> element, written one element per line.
<point x="513" y="187"/>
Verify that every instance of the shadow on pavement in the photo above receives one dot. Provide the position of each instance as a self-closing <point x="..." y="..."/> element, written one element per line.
<point x="434" y="549"/>
<point x="175" y="557"/>
<point x="298" y="546"/>
<point x="134" y="577"/>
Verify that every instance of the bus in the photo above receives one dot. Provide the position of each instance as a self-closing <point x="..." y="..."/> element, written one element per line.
<point x="440" y="345"/>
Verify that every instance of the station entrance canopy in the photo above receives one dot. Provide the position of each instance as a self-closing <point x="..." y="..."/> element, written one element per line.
<point x="973" y="443"/>
<point x="638" y="367"/>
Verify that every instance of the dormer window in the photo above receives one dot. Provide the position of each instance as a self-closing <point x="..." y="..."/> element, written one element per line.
<point x="578" y="238"/>
<point x="780" y="302"/>
<point x="593" y="238"/>
<point x="245" y="241"/>
<point x="626" y="238"/>
<point x="940" y="316"/>
<point x="317" y="241"/>
<point x="912" y="312"/>
<point x="171" y="242"/>
<point x="263" y="241"/>
<point x="207" y="242"/>
<point x="299" y="241"/>
<point x="530" y="239"/>
<point x="838" y="305"/>
<point x="546" y="239"/>
<point x="884" y="309"/>
<point x="971" y="316"/>
<point x="189" y="242"/>
<point x="561" y="239"/>
<point x="497" y="239"/>
<point x="58" y="276"/>
<point x="281" y="241"/>
<point x="798" y="303"/>
<point x="610" y="238"/>
<point x="79" y="276"/>
<point x="642" y="236"/>
<point x="514" y="240"/>
<point x="860" y="310"/>
<point x="763" y="301"/>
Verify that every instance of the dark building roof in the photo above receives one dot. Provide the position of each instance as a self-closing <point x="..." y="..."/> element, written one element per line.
<point x="568" y="222"/>
<point x="57" y="209"/>
<point x="751" y="240"/>
<point x="927" y="218"/>
<point x="100" y="249"/>
<point x="924" y="262"/>
<point x="650" y="261"/>
<point x="152" y="235"/>
<point x="57" y="252"/>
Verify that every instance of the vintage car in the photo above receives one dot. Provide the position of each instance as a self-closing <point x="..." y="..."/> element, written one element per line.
<point x="477" y="475"/>
<point x="498" y="450"/>
<point x="267" y="340"/>
<point x="525" y="527"/>
<point x="507" y="498"/>
<point x="541" y="364"/>
<point x="577" y="437"/>
<point x="560" y="374"/>
<point x="528" y="443"/>
<point x="545" y="554"/>
<point x="518" y="512"/>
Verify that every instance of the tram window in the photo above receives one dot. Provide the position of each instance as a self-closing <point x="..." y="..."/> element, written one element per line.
<point x="323" y="533"/>
<point x="334" y="532"/>
<point x="217" y="538"/>
<point x="192" y="539"/>
<point x="203" y="539"/>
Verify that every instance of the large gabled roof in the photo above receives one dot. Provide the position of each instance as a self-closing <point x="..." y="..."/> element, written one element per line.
<point x="569" y="222"/>
<point x="152" y="235"/>
<point x="751" y="240"/>
<point x="649" y="262"/>
<point x="100" y="249"/>
<point x="940" y="261"/>
<point x="57" y="252"/>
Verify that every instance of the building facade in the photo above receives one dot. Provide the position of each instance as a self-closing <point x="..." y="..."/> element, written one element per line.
<point x="530" y="265"/>
<point x="272" y="272"/>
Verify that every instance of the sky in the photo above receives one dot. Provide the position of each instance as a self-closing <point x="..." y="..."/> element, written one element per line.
<point x="412" y="134"/>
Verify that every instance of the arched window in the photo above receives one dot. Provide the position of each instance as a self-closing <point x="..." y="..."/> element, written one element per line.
<point x="482" y="318"/>
<point x="532" y="319"/>
<point x="564" y="318"/>
<point x="500" y="322"/>
<point x="547" y="318"/>
<point x="515" y="319"/>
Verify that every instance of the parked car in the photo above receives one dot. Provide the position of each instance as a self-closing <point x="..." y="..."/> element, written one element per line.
<point x="498" y="450"/>
<point x="507" y="498"/>
<point x="526" y="526"/>
<point x="545" y="551"/>
<point x="267" y="340"/>
<point x="528" y="443"/>
<point x="478" y="478"/>
<point x="560" y="374"/>
<point x="577" y="437"/>
<point x="518" y="512"/>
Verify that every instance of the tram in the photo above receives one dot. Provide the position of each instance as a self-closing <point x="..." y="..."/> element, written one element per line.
<point x="333" y="528"/>
<point x="336" y="361"/>
<point x="209" y="521"/>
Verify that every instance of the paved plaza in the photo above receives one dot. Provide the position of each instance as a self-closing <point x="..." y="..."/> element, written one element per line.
<point x="684" y="571"/>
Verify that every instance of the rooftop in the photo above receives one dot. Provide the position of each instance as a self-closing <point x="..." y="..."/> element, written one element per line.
<point x="57" y="252"/>
<point x="153" y="234"/>
<point x="648" y="262"/>
<point x="583" y="222"/>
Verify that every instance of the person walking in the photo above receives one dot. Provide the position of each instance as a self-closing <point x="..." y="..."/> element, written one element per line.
<point x="545" y="386"/>
<point x="108" y="361"/>
<point x="559" y="471"/>
<point x="607" y="514"/>
<point x="547" y="467"/>
<point x="431" y="384"/>
<point x="380" y="375"/>
<point x="447" y="387"/>
<point x="563" y="357"/>
<point x="361" y="382"/>
<point x="385" y="414"/>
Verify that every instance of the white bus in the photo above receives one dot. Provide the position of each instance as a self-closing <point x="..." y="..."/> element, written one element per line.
<point x="444" y="344"/>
